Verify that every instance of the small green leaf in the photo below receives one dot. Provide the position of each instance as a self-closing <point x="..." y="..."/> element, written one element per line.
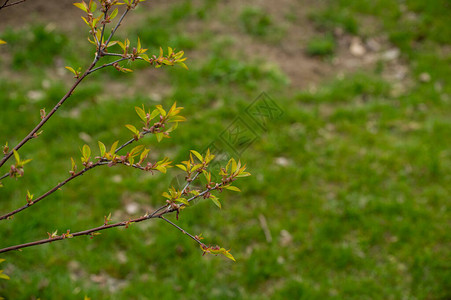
<point x="16" y="156"/>
<point x="24" y="162"/>
<point x="161" y="110"/>
<point x="196" y="167"/>
<point x="132" y="129"/>
<point x="114" y="14"/>
<point x="215" y="201"/>
<point x="154" y="113"/>
<point x="102" y="148"/>
<point x="136" y="150"/>
<point x="182" y="200"/>
<point x="232" y="188"/>
<point x="3" y="276"/>
<point x="82" y="6"/>
<point x="138" y="47"/>
<point x="161" y="169"/>
<point x="159" y="136"/>
<point x="113" y="147"/>
<point x="86" y="151"/>
<point x="228" y="255"/>
<point x="197" y="154"/>
<point x="141" y="113"/>
<point x="181" y="167"/>
<point x="183" y="65"/>
<point x="144" y="155"/>
<point x="71" y="69"/>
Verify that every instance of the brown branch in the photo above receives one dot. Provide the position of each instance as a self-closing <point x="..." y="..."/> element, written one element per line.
<point x="48" y="193"/>
<point x="167" y="209"/>
<point x="183" y="230"/>
<point x="117" y="26"/>
<point x="107" y="65"/>
<point x="4" y="176"/>
<point x="32" y="133"/>
<point x="11" y="4"/>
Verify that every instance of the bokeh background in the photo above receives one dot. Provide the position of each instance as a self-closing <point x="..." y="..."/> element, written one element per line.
<point x="350" y="193"/>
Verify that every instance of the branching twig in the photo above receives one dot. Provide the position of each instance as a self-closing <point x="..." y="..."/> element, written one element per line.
<point x="117" y="26"/>
<point x="106" y="226"/>
<point x="182" y="230"/>
<point x="59" y="185"/>
<point x="48" y="193"/>
<point x="99" y="52"/>
<point x="11" y="4"/>
<point x="107" y="65"/>
<point x="88" y="71"/>
<point x="33" y="132"/>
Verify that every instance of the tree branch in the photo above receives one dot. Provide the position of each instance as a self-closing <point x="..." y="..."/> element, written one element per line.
<point x="106" y="226"/>
<point x="59" y="185"/>
<point x="11" y="4"/>
<point x="107" y="65"/>
<point x="117" y="26"/>
<point x="48" y="193"/>
<point x="4" y="176"/>
<point x="183" y="231"/>
<point x="33" y="132"/>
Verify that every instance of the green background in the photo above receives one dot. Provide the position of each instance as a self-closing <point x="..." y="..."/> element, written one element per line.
<point x="350" y="193"/>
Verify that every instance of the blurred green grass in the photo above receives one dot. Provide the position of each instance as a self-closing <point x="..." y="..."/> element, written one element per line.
<point x="353" y="181"/>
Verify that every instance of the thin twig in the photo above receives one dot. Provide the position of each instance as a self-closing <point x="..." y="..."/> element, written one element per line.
<point x="107" y="65"/>
<point x="51" y="191"/>
<point x="117" y="26"/>
<point x="112" y="54"/>
<point x="105" y="226"/>
<point x="182" y="230"/>
<point x="11" y="4"/>
<point x="32" y="133"/>
<point x="99" y="52"/>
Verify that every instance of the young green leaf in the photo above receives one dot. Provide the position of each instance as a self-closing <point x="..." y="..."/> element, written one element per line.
<point x="215" y="201"/>
<point x="132" y="129"/>
<point x="181" y="167"/>
<point x="161" y="110"/>
<point x="182" y="200"/>
<point x="159" y="136"/>
<point x="113" y="147"/>
<point x="136" y="150"/>
<point x="197" y="154"/>
<point x="114" y="14"/>
<point x="16" y="157"/>
<point x="141" y="113"/>
<point x="82" y="5"/>
<point x="232" y="188"/>
<point x="143" y="155"/>
<point x="102" y="149"/>
<point x="71" y="69"/>
<point x="3" y="276"/>
<point x="154" y="113"/>
<point x="86" y="151"/>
